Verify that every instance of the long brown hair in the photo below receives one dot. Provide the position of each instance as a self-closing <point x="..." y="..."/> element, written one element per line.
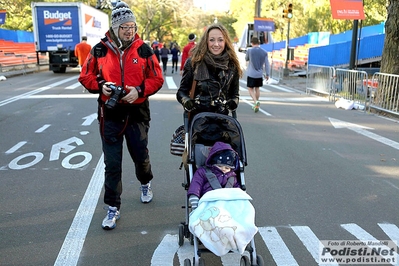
<point x="201" y="48"/>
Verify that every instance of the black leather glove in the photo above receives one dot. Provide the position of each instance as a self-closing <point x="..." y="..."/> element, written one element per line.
<point x="188" y="103"/>
<point x="231" y="105"/>
<point x="100" y="82"/>
<point x="140" y="89"/>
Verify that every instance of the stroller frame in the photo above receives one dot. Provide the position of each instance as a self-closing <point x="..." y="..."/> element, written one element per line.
<point x="222" y="128"/>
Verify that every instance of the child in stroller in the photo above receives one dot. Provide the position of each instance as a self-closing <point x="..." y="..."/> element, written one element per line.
<point x="219" y="167"/>
<point x="223" y="219"/>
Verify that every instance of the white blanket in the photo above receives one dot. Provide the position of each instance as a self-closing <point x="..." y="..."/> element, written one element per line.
<point x="224" y="221"/>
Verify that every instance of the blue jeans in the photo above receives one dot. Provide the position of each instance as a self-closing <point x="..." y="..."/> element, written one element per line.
<point x="136" y="136"/>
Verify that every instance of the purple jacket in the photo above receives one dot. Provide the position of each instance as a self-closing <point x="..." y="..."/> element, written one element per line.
<point x="199" y="183"/>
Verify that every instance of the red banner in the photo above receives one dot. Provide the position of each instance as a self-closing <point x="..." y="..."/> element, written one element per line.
<point x="347" y="9"/>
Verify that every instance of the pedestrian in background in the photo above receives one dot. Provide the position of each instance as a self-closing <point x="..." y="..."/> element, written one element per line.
<point x="122" y="60"/>
<point x="157" y="53"/>
<point x="186" y="50"/>
<point x="214" y="69"/>
<point x="175" y="57"/>
<point x="164" y="57"/>
<point x="82" y="49"/>
<point x="258" y="67"/>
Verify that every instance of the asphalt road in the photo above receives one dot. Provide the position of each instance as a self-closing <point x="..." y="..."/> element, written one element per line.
<point x="314" y="172"/>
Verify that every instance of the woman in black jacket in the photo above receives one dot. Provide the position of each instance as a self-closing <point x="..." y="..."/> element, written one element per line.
<point x="215" y="70"/>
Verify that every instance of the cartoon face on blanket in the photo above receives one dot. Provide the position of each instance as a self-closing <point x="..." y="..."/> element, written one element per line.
<point x="224" y="221"/>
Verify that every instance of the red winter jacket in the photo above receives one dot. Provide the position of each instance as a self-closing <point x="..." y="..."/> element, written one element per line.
<point x="135" y="66"/>
<point x="186" y="53"/>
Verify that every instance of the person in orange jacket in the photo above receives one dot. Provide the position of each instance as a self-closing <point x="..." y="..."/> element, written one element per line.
<point x="82" y="49"/>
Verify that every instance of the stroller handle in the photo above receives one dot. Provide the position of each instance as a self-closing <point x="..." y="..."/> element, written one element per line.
<point x="186" y="118"/>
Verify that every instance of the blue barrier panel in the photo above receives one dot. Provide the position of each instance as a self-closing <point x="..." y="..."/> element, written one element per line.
<point x="273" y="46"/>
<point x="371" y="46"/>
<point x="331" y="55"/>
<point x="16" y="35"/>
<point x="299" y="41"/>
<point x="339" y="53"/>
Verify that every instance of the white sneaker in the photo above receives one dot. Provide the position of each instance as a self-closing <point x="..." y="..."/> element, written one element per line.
<point x="109" y="221"/>
<point x="146" y="193"/>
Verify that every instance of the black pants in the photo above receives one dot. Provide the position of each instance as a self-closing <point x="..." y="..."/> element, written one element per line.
<point x="174" y="64"/>
<point x="164" y="63"/>
<point x="113" y="135"/>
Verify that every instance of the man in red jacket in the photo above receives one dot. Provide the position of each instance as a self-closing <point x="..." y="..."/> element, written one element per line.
<point x="124" y="71"/>
<point x="186" y="50"/>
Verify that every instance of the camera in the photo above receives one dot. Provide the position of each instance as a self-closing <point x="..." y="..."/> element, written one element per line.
<point x="117" y="93"/>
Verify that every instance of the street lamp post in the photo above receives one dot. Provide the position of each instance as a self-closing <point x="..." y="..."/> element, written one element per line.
<point x="257" y="14"/>
<point x="287" y="14"/>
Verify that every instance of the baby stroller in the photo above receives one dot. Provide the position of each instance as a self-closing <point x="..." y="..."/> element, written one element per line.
<point x="205" y="129"/>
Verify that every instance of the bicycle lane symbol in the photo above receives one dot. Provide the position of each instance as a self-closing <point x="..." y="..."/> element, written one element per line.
<point x="65" y="146"/>
<point x="32" y="158"/>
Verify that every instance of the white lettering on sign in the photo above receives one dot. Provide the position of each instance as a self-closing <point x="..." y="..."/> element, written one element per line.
<point x="56" y="15"/>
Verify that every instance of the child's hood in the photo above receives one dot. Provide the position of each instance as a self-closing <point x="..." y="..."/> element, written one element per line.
<point x="220" y="146"/>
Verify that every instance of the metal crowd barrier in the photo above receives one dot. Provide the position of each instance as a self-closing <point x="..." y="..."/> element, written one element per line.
<point x="319" y="79"/>
<point x="351" y="85"/>
<point x="277" y="69"/>
<point x="384" y="92"/>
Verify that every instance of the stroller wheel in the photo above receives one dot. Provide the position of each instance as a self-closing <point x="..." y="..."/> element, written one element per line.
<point x="245" y="261"/>
<point x="181" y="235"/>
<point x="259" y="260"/>
<point x="201" y="262"/>
<point x="187" y="262"/>
<point x="191" y="239"/>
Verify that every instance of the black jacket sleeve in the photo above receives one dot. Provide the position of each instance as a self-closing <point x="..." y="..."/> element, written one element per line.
<point x="183" y="93"/>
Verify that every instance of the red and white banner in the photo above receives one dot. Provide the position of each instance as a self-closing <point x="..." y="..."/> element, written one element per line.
<point x="347" y="9"/>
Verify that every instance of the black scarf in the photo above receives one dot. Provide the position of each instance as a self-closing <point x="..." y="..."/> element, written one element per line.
<point x="220" y="61"/>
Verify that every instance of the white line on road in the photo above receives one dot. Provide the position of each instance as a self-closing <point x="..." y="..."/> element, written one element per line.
<point x="280" y="88"/>
<point x="73" y="86"/>
<point x="390" y="230"/>
<point x="43" y="128"/>
<point x="74" y="240"/>
<point x="27" y="94"/>
<point x="171" y="83"/>
<point x="260" y="109"/>
<point x="361" y="234"/>
<point x="278" y="249"/>
<point x="362" y="131"/>
<point x="311" y="242"/>
<point x="165" y="251"/>
<point x="16" y="147"/>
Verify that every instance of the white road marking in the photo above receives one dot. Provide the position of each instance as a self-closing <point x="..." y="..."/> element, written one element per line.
<point x="310" y="241"/>
<point x="74" y="240"/>
<point x="43" y="128"/>
<point x="73" y="86"/>
<point x="30" y="93"/>
<point x="362" y="131"/>
<point x="171" y="83"/>
<point x="165" y="252"/>
<point x="279" y="251"/>
<point x="361" y="234"/>
<point x="390" y="230"/>
<point x="16" y="147"/>
<point x="260" y="109"/>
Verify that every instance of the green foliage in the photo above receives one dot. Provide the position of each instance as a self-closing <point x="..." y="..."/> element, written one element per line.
<point x="309" y="16"/>
<point x="173" y="20"/>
